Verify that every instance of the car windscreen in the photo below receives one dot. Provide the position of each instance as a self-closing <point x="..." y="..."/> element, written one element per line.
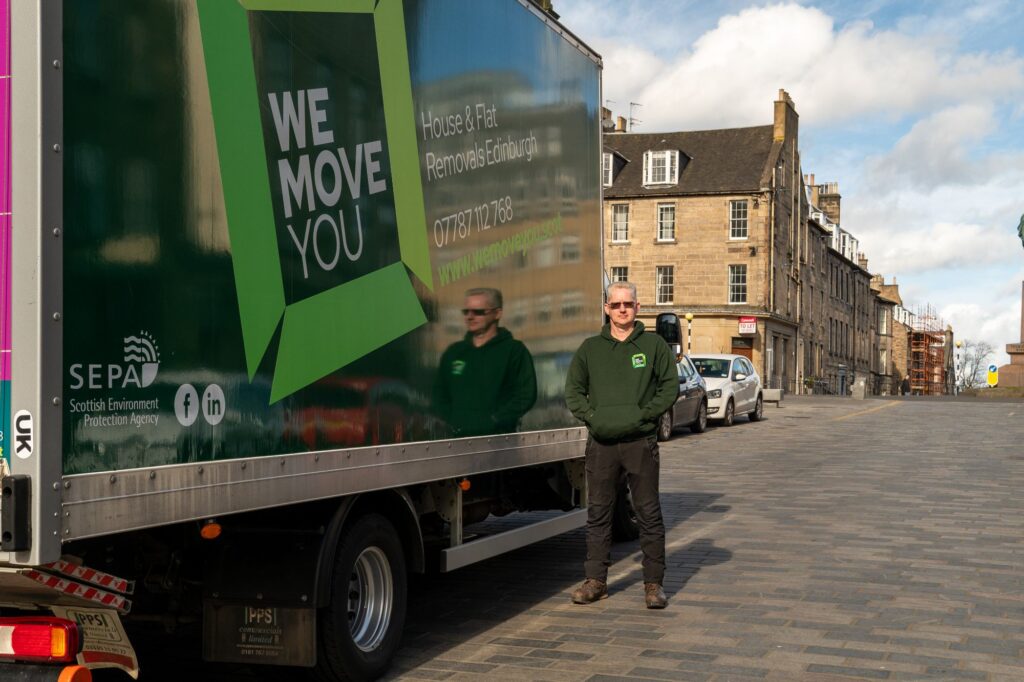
<point x="713" y="368"/>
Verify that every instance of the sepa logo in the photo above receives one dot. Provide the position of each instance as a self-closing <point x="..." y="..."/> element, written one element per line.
<point x="305" y="177"/>
<point x="139" y="369"/>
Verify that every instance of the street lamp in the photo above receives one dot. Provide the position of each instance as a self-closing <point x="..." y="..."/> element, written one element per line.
<point x="689" y="331"/>
<point x="956" y="373"/>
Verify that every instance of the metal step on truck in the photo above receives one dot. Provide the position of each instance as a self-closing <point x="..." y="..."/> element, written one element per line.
<point x="289" y="289"/>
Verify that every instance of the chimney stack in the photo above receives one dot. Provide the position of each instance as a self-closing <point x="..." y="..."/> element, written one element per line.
<point x="620" y="124"/>
<point x="829" y="200"/>
<point x="786" y="118"/>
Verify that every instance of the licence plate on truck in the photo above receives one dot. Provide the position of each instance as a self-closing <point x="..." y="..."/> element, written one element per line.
<point x="104" y="641"/>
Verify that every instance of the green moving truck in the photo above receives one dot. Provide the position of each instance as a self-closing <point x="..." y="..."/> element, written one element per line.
<point x="240" y="239"/>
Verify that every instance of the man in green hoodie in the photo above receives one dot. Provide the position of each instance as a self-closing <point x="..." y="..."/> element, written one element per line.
<point x="486" y="381"/>
<point x="619" y="384"/>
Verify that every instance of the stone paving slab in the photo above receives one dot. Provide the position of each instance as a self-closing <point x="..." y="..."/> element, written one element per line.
<point x="836" y="540"/>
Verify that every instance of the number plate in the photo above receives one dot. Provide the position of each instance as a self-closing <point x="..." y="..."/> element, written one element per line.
<point x="104" y="642"/>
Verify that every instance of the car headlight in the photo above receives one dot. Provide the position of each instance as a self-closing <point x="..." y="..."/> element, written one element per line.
<point x="716" y="393"/>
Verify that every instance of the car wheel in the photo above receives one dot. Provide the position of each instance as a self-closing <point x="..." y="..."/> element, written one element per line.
<point x="361" y="627"/>
<point x="700" y="424"/>
<point x="758" y="412"/>
<point x="665" y="426"/>
<point x="730" y="413"/>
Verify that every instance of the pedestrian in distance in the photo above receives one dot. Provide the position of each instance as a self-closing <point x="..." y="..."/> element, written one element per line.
<point x="619" y="384"/>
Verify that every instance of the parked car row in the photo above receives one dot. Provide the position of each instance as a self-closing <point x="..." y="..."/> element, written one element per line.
<point x="717" y="387"/>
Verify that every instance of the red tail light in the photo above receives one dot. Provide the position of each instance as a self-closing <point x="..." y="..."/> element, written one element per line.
<point x="39" y="638"/>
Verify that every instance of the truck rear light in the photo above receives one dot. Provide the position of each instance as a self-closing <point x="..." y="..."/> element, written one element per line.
<point x="41" y="639"/>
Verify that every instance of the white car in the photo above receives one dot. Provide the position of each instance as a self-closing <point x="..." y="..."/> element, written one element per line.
<point x="734" y="388"/>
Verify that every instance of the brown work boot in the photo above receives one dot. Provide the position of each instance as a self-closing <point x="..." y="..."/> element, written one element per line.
<point x="590" y="591"/>
<point x="655" y="596"/>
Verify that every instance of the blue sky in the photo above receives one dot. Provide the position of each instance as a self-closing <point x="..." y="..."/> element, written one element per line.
<point x="916" y="109"/>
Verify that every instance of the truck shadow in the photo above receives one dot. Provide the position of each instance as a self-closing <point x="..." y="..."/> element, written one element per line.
<point x="446" y="610"/>
<point x="506" y="593"/>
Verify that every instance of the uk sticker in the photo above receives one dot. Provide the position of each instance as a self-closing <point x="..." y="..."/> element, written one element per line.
<point x="23" y="434"/>
<point x="639" y="360"/>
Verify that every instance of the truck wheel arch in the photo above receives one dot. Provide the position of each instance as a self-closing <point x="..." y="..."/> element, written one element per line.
<point x="396" y="505"/>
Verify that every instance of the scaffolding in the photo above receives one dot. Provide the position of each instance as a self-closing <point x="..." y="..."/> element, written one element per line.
<point x="928" y="352"/>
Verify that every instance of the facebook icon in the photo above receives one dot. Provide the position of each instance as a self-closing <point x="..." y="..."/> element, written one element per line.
<point x="186" y="404"/>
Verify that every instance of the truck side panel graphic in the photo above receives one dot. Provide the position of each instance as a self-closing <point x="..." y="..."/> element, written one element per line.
<point x="275" y="209"/>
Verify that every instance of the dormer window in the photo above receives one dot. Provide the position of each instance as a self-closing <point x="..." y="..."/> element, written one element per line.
<point x="661" y="168"/>
<point x="606" y="169"/>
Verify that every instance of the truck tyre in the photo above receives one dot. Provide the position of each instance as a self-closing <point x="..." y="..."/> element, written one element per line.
<point x="361" y="627"/>
<point x="624" y="525"/>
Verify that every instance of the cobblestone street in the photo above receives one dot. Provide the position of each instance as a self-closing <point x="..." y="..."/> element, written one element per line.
<point x="835" y="540"/>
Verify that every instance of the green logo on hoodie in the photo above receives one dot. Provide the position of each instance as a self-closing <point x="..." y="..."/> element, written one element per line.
<point x="457" y="367"/>
<point x="297" y="252"/>
<point x="639" y="360"/>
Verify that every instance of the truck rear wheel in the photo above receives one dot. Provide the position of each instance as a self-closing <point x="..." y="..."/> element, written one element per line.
<point x="361" y="628"/>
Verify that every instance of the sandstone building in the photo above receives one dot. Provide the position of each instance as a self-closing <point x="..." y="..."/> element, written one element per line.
<point x="713" y="223"/>
<point x="722" y="224"/>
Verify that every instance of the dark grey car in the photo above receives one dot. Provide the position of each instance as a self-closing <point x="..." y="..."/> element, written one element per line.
<point x="691" y="407"/>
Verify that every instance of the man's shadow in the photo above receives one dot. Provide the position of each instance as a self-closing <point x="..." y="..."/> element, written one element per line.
<point x="681" y="566"/>
<point x="681" y="563"/>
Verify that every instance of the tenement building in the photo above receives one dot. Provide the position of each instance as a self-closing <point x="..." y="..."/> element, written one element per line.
<point x="722" y="224"/>
<point x="713" y="223"/>
<point x="850" y="307"/>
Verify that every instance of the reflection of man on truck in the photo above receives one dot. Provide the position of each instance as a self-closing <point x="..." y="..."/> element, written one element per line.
<point x="485" y="382"/>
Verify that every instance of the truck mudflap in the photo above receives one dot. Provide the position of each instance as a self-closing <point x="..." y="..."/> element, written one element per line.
<point x="259" y="598"/>
<point x="259" y="634"/>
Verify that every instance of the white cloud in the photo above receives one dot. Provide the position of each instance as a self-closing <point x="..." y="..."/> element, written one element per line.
<point x="938" y="246"/>
<point x="935" y="151"/>
<point x="621" y="66"/>
<point x="935" y="200"/>
<point x="996" y="321"/>
<point x="733" y="72"/>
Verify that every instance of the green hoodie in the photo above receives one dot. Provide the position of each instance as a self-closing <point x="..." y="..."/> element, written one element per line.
<point x="621" y="388"/>
<point x="485" y="390"/>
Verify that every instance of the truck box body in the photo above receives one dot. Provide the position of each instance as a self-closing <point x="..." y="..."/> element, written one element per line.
<point x="5" y="230"/>
<point x="242" y="234"/>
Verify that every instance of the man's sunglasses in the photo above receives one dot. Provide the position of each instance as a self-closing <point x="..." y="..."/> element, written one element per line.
<point x="628" y="305"/>
<point x="478" y="311"/>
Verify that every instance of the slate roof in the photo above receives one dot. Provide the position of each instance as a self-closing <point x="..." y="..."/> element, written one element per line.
<point x="734" y="160"/>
